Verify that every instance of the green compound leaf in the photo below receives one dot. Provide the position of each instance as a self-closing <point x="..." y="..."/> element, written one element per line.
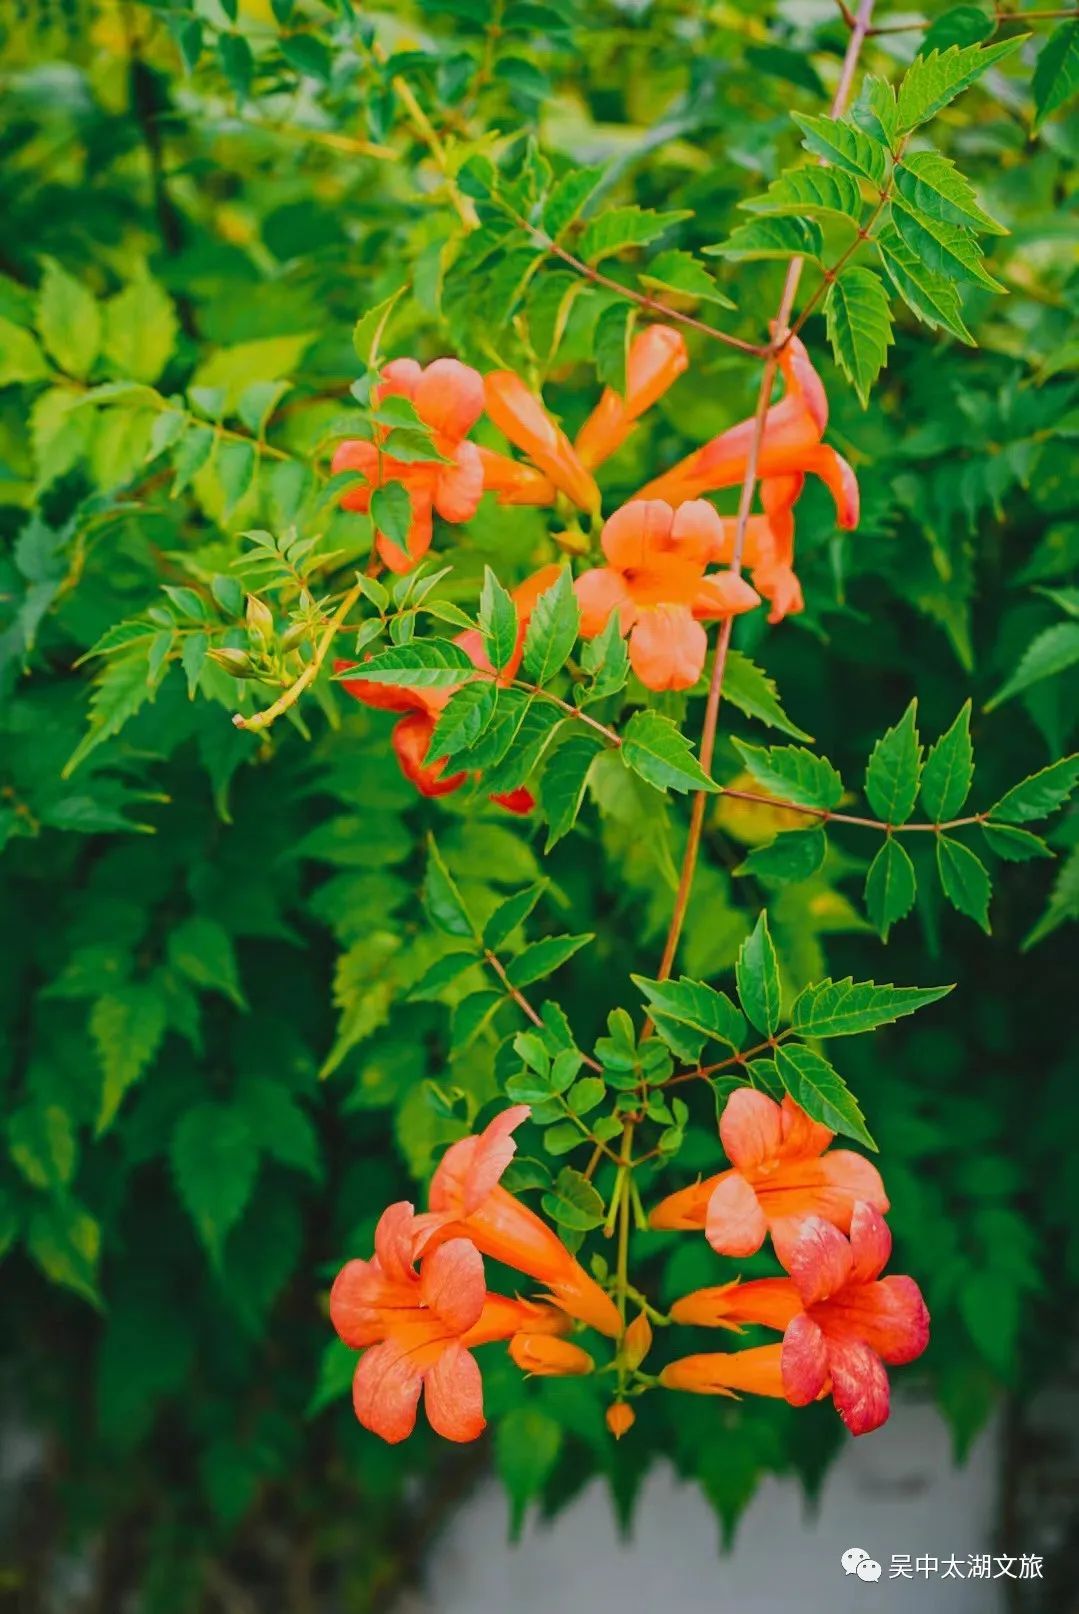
<point x="949" y="771"/>
<point x="660" y="753"/>
<point x="965" y="879"/>
<point x="890" y="886"/>
<point x="819" y="1089"/>
<point x="757" y="976"/>
<point x="894" y="770"/>
<point x="848" y="1007"/>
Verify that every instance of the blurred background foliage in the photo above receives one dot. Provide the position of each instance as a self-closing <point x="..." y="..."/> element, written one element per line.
<point x="203" y="197"/>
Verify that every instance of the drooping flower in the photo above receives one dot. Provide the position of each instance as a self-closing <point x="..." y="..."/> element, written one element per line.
<point x="467" y="1200"/>
<point x="768" y="546"/>
<point x="448" y="397"/>
<point x="411" y="738"/>
<point x="657" y="357"/>
<point x="791" y="445"/>
<point x="657" y="582"/>
<point x="852" y="1320"/>
<point x="521" y="416"/>
<point x="410" y="1325"/>
<point x="547" y="1356"/>
<point x="782" y="1171"/>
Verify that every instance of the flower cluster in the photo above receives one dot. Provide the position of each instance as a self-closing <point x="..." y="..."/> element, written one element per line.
<point x="419" y="1306"/>
<point x="841" y="1322"/>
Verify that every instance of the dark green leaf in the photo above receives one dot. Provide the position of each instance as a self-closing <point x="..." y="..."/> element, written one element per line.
<point x="757" y="975"/>
<point x="1014" y="845"/>
<point x="859" y="323"/>
<point x="793" y="774"/>
<point x="423" y="664"/>
<point x="562" y="783"/>
<point x="498" y="621"/>
<point x="890" y="886"/>
<point x="819" y="1089"/>
<point x="573" y="1202"/>
<point x="1056" y="74"/>
<point x="949" y="771"/>
<point x="845" y="1008"/>
<point x="1039" y="795"/>
<point x="542" y="958"/>
<point x="654" y="748"/>
<point x="891" y="780"/>
<point x="844" y="145"/>
<point x="964" y="879"/>
<point x="552" y="629"/>
<point x="795" y="854"/>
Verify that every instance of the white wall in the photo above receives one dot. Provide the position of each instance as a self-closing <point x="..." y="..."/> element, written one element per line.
<point x="896" y="1491"/>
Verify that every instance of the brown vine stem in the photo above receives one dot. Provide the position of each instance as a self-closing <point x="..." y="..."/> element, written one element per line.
<point x="522" y="1002"/>
<point x="859" y="32"/>
<point x="827" y="816"/>
<point x="996" y="17"/>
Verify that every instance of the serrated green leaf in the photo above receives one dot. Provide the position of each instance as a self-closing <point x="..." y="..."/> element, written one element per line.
<point x="21" y="359"/>
<point x="776" y="236"/>
<point x="542" y="958"/>
<point x="792" y="773"/>
<point x="610" y="345"/>
<point x="935" y="188"/>
<point x="369" y="329"/>
<point x="622" y="227"/>
<point x="463" y="720"/>
<point x="573" y="1201"/>
<point x="1063" y="902"/>
<point x="931" y="297"/>
<point x="423" y="664"/>
<point x="848" y="1007"/>
<point x="964" y="879"/>
<point x="562" y="783"/>
<point x="1056" y="73"/>
<point x="69" y="320"/>
<point x="891" y="780"/>
<point x="42" y="1144"/>
<point x="949" y="771"/>
<point x="1040" y="794"/>
<point x="757" y="976"/>
<point x="810" y="192"/>
<point x="569" y="196"/>
<point x="214" y="1162"/>
<point x="442" y="897"/>
<point x="694" y="1004"/>
<point x="498" y="621"/>
<point x="932" y="81"/>
<point x="747" y="687"/>
<point x="944" y="249"/>
<point x="552" y="629"/>
<point x="795" y="854"/>
<point x="391" y="512"/>
<point x="65" y="1241"/>
<point x="890" y="886"/>
<point x="859" y="324"/>
<point x="962" y="25"/>
<point x="660" y="753"/>
<point x="606" y="661"/>
<point x="1053" y="651"/>
<point x="680" y="271"/>
<point x="1014" y="845"/>
<point x="819" y="1089"/>
<point x="201" y="949"/>
<point x="128" y="1027"/>
<point x="841" y="143"/>
<point x="508" y="915"/>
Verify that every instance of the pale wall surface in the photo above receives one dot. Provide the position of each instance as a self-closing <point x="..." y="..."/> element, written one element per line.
<point x="893" y="1492"/>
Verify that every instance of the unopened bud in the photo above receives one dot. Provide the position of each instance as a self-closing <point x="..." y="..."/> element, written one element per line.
<point x="637" y="1341"/>
<point x="236" y="662"/>
<point x="620" y="1419"/>
<point x="549" y="1356"/>
<point x="259" y="618"/>
<point x="293" y="636"/>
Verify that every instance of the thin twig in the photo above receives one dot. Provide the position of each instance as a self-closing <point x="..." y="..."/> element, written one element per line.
<point x="827" y="816"/>
<point x="522" y="1002"/>
<point x="263" y="720"/>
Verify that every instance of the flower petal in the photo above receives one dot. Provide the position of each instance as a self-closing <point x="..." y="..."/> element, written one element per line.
<point x="398" y="379"/>
<point x="767" y="1302"/>
<point x="449" y="397"/>
<point x="356" y="455"/>
<point x="723" y="594"/>
<point x="870" y="1243"/>
<point x="359" y="1291"/>
<point x="667" y="647"/>
<point x="818" y="1260"/>
<point x="751" y="1129"/>
<point x="686" y="1208"/>
<point x="453" y="1395"/>
<point x="503" y="1317"/>
<point x="395" y="1240"/>
<point x="637" y="533"/>
<point x="657" y="357"/>
<point x="599" y="592"/>
<point x="410" y="740"/>
<point x="803" y="1139"/>
<point x="804" y="1361"/>
<point x="521" y="417"/>
<point x="452" y="1284"/>
<point x="384" y="697"/>
<point x="735" y="1223"/>
<point x="513" y="481"/>
<point x="386" y="1390"/>
<point x="459" y="487"/>
<point x="696" y="529"/>
<point x="859" y="1386"/>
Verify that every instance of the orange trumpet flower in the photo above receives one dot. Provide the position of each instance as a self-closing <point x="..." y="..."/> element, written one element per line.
<point x="657" y="357"/>
<point x="657" y="583"/>
<point x="852" y="1320"/>
<point x="411" y="739"/>
<point x="466" y="1199"/>
<point x="547" y="1356"/>
<point x="448" y="397"/>
<point x="520" y="416"/>
<point x="780" y="1174"/>
<point x="771" y="1302"/>
<point x="756" y="1372"/>
<point x="790" y="446"/>
<point x="410" y="1326"/>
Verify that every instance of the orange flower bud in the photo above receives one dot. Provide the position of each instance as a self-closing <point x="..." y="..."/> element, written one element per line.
<point x="637" y="1341"/>
<point x="549" y="1356"/>
<point x="620" y="1419"/>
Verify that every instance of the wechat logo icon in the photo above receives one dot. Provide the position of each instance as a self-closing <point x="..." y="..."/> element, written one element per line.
<point x="856" y="1561"/>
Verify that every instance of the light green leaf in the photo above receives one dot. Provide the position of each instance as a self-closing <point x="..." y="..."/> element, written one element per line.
<point x="964" y="879"/>
<point x="949" y="771"/>
<point x="423" y="664"/>
<point x="1040" y="794"/>
<point x="369" y="329"/>
<point x="751" y="690"/>
<point x="945" y="249"/>
<point x="792" y="773"/>
<point x="935" y="188"/>
<point x="573" y="1202"/>
<point x="391" y="512"/>
<point x="931" y="297"/>
<point x="1056" y="73"/>
<point x="542" y="958"/>
<point x="890" y="886"/>
<point x="1054" y="650"/>
<point x="696" y="1005"/>
<point x="811" y="192"/>
<point x="659" y="752"/>
<point x="444" y="901"/>
<point x="819" y="1089"/>
<point x="859" y="324"/>
<point x="757" y="976"/>
<point x="844" y="145"/>
<point x="568" y="197"/>
<point x="848" y="1007"/>
<point x="622" y="227"/>
<point x="508" y="915"/>
<point x="770" y="237"/>
<point x="610" y="345"/>
<point x="680" y="271"/>
<point x="201" y="949"/>
<point x="498" y="621"/>
<point x="463" y="720"/>
<point x="20" y="357"/>
<point x="562" y="783"/>
<point x="140" y="330"/>
<point x="606" y="661"/>
<point x="934" y="80"/>
<point x="1063" y="903"/>
<point x="891" y="780"/>
<point x="41" y="1141"/>
<point x="69" y="320"/>
<point x="552" y="629"/>
<point x="795" y="854"/>
<point x="65" y="1241"/>
<point x="128" y="1027"/>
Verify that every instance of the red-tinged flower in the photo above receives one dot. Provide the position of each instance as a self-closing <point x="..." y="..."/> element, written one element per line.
<point x="757" y="1371"/>
<point x="448" y="397"/>
<point x="780" y="1174"/>
<point x="411" y="738"/>
<point x="852" y="1321"/>
<point x="547" y="1356"/>
<point x="521" y="416"/>
<point x="410" y="1325"/>
<point x="790" y="446"/>
<point x="467" y="1200"/>
<point x="768" y="546"/>
<point x="620" y="1419"/>
<point x="769" y="1302"/>
<point x="657" y="357"/>
<point x="656" y="580"/>
<point x="502" y="1317"/>
<point x="513" y="481"/>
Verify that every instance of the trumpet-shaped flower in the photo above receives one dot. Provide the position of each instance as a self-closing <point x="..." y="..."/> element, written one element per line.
<point x="790" y="446"/>
<point x="410" y="1325"/>
<point x="768" y="546"/>
<point x="448" y="397"/>
<point x="757" y="1371"/>
<point x="657" y="582"/>
<point x="547" y="1356"/>
<point x="467" y="1200"/>
<point x="782" y="1171"/>
<point x="411" y="739"/>
<point x="521" y="416"/>
<point x="657" y="357"/>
